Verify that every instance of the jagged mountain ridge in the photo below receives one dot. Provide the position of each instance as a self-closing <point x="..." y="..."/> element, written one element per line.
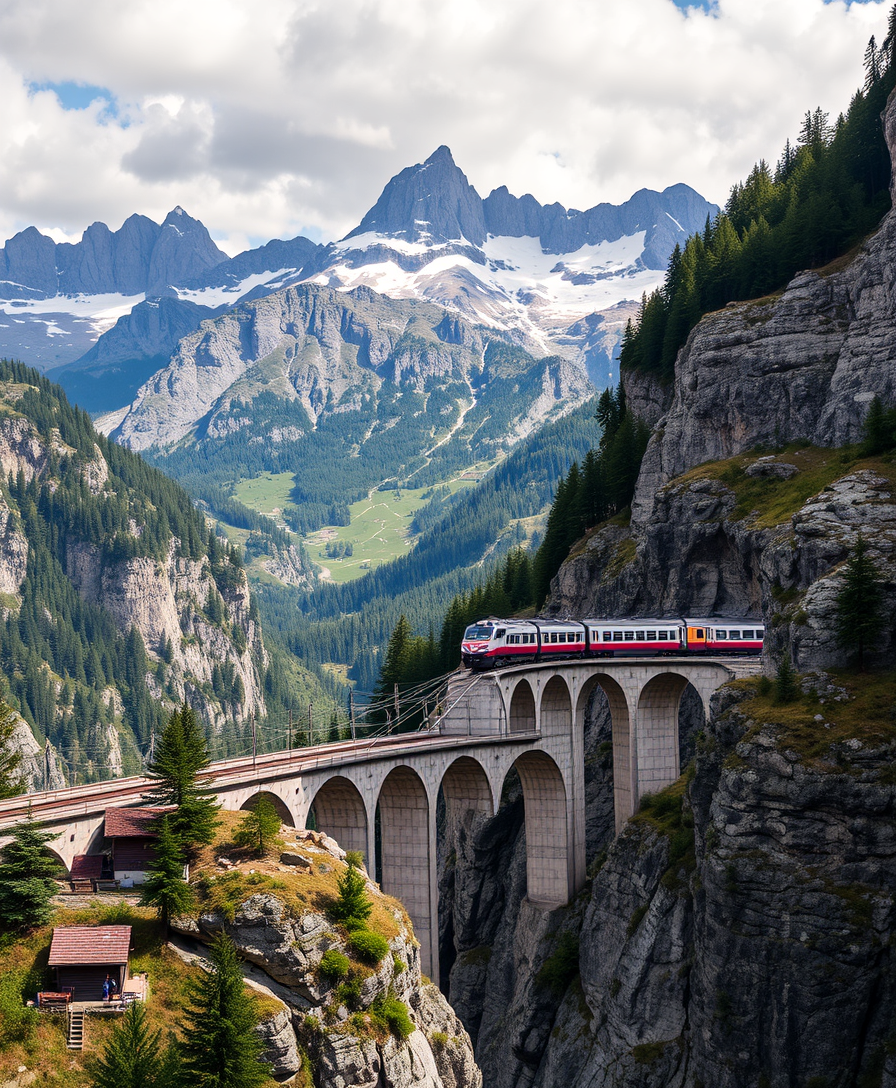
<point x="558" y="281"/>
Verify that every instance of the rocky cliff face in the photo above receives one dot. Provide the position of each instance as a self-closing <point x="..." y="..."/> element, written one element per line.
<point x="738" y="931"/>
<point x="333" y="1025"/>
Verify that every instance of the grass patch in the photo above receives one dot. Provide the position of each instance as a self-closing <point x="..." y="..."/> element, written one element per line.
<point x="392" y="1015"/>
<point x="301" y="890"/>
<point x="867" y="715"/>
<point x="562" y="966"/>
<point x="333" y="965"/>
<point x="667" y="813"/>
<point x="368" y="947"/>
<point x="767" y="502"/>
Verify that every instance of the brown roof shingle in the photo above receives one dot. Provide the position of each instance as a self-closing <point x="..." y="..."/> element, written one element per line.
<point x="131" y="823"/>
<point x="99" y="945"/>
<point x="86" y="867"/>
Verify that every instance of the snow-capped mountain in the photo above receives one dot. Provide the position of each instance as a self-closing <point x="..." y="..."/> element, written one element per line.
<point x="106" y="313"/>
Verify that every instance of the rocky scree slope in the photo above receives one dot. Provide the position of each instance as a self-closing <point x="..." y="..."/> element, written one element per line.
<point x="333" y="1026"/>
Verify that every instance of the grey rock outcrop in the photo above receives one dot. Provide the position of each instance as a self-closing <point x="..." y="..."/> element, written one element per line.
<point x="326" y="352"/>
<point x="282" y="949"/>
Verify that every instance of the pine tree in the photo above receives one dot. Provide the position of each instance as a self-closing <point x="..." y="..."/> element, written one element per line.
<point x="28" y="873"/>
<point x="860" y="616"/>
<point x="10" y="758"/>
<point x="133" y="1056"/>
<point x="181" y="754"/>
<point x="352" y="906"/>
<point x="260" y="826"/>
<point x="220" y="1047"/>
<point x="786" y="689"/>
<point x="165" y="887"/>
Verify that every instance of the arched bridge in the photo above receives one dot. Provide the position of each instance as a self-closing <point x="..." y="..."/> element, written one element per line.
<point x="530" y="718"/>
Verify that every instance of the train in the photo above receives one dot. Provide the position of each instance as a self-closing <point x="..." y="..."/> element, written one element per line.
<point x="492" y="643"/>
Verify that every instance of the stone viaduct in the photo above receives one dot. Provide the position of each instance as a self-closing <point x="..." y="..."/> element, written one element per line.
<point x="528" y="717"/>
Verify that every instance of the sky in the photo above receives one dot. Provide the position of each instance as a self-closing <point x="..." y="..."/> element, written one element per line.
<point x="288" y="117"/>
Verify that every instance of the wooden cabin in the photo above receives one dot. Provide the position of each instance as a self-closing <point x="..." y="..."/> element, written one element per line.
<point x="82" y="956"/>
<point x="129" y="831"/>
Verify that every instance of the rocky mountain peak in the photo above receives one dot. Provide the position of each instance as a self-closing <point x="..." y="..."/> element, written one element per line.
<point x="430" y="202"/>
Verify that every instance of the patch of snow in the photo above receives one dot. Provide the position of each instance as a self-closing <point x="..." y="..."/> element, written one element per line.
<point x="677" y="224"/>
<point x="228" y="295"/>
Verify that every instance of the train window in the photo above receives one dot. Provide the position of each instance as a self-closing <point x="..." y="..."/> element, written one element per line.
<point x="663" y="636"/>
<point x="608" y="636"/>
<point x="639" y="636"/>
<point x="617" y="636"/>
<point x="651" y="636"/>
<point x="501" y="632"/>
<point x="746" y="634"/>
<point x="721" y="635"/>
<point x="629" y="636"/>
<point x="700" y="633"/>
<point x="734" y="635"/>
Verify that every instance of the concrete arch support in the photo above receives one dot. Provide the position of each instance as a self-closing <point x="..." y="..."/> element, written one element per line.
<point x="522" y="709"/>
<point x="465" y="789"/>
<point x="283" y="809"/>
<point x="407" y="845"/>
<point x="556" y="708"/>
<point x="549" y="877"/>
<point x="339" y="812"/>
<point x="657" y="733"/>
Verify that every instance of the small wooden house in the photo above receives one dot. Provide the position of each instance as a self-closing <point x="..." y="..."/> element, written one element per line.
<point x="86" y="870"/>
<point x="129" y="830"/>
<point x="82" y="956"/>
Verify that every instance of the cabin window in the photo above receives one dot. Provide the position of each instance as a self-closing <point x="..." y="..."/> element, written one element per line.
<point x="700" y="633"/>
<point x="501" y="632"/>
<point x="639" y="636"/>
<point x="651" y="636"/>
<point x="629" y="636"/>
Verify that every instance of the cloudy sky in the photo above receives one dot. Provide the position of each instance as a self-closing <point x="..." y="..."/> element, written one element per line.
<point x="284" y="117"/>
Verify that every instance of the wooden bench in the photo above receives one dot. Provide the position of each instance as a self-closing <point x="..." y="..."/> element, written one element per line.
<point x="107" y="885"/>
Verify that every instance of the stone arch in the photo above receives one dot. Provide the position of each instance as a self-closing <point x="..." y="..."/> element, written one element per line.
<point x="66" y="865"/>
<point x="283" y="809"/>
<point x="548" y="861"/>
<point x="522" y="709"/>
<point x="339" y="812"/>
<point x="405" y="851"/>
<point x="658" y="705"/>
<point x="625" y="760"/>
<point x="465" y="788"/>
<point x="556" y="708"/>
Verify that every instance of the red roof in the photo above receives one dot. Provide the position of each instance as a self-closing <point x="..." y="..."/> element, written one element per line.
<point x="87" y="867"/>
<point x="99" y="945"/>
<point x="131" y="823"/>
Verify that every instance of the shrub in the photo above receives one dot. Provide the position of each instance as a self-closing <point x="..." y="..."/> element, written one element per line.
<point x="392" y="1015"/>
<point x="368" y="947"/>
<point x="355" y="858"/>
<point x="439" y="1040"/>
<point x="333" y="965"/>
<point x="349" y="992"/>
<point x="398" y="964"/>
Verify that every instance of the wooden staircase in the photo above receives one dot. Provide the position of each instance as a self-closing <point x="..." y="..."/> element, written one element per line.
<point x="75" y="1039"/>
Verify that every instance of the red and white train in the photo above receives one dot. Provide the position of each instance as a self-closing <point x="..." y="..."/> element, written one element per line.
<point x="492" y="642"/>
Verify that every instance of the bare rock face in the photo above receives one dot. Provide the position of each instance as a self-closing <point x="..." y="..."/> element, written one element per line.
<point x="282" y="950"/>
<point x="40" y="768"/>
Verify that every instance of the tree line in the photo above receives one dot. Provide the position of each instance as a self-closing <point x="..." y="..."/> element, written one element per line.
<point x="823" y="195"/>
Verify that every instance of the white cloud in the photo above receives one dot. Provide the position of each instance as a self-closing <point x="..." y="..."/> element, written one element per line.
<point x="267" y="122"/>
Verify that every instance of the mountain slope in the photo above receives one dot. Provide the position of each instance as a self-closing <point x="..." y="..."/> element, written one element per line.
<point x="116" y="601"/>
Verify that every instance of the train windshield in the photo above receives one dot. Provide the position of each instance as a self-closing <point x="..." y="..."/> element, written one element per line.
<point x="477" y="633"/>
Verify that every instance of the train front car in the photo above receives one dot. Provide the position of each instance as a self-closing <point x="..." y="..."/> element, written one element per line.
<point x="642" y="637"/>
<point x="490" y="643"/>
<point x="722" y="637"/>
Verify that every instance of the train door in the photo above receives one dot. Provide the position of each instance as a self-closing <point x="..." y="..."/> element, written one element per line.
<point x="697" y="638"/>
